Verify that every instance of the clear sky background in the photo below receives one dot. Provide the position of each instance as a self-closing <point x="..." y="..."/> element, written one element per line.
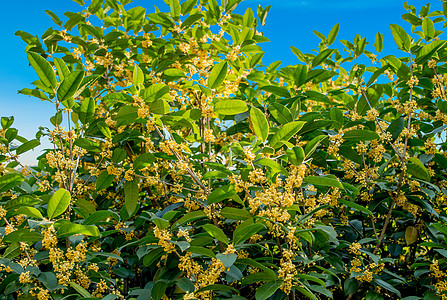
<point x="289" y="23"/>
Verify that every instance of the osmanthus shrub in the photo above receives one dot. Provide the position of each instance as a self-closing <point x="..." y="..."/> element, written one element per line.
<point x="181" y="167"/>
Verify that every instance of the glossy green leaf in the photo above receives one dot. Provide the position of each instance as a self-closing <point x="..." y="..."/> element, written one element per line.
<point x="427" y="51"/>
<point x="83" y="292"/>
<point x="190" y="217"/>
<point x="216" y="233"/>
<point x="159" y="289"/>
<point x="29" y="211"/>
<point x="259" y="277"/>
<point x="296" y="155"/>
<point x="70" y="85"/>
<point x="355" y="206"/>
<point x="428" y="29"/>
<point x="68" y="229"/>
<point x="54" y="17"/>
<point x="260" y="124"/>
<point x="401" y="38"/>
<point x="98" y="216"/>
<point x="272" y="165"/>
<point x="300" y="75"/>
<point x="417" y="169"/>
<point x="58" y="203"/>
<point x="230" y="107"/>
<point x="202" y="251"/>
<point x="27" y="146"/>
<point x="87" y="111"/>
<point x="221" y="193"/>
<point x="326" y="180"/>
<point x="61" y="67"/>
<point x="23" y="235"/>
<point x="387" y="286"/>
<point x="138" y="75"/>
<point x="217" y="75"/>
<point x="313" y="144"/>
<point x="131" y="192"/>
<point x="333" y="34"/>
<point x="360" y="135"/>
<point x="321" y="57"/>
<point x="43" y="69"/>
<point x="266" y="290"/>
<point x="281" y="113"/>
<point x="104" y="180"/>
<point x="285" y="133"/>
<point x="244" y="232"/>
<point x="235" y="213"/>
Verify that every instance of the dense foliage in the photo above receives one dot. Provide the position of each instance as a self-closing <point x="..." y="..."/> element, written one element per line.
<point x="184" y="168"/>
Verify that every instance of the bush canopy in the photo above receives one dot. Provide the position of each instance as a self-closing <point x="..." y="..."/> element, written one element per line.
<point x="182" y="167"/>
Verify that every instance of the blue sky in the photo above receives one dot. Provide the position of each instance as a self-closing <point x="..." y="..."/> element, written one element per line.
<point x="289" y="23"/>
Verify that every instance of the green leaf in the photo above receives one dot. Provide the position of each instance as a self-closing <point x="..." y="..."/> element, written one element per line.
<point x="285" y="133"/>
<point x="296" y="155"/>
<point x="159" y="289"/>
<point x="235" y="213"/>
<point x="417" y="169"/>
<point x="355" y="206"/>
<point x="360" y="135"/>
<point x="218" y="287"/>
<point x="54" y="17"/>
<point x="411" y="235"/>
<point x="43" y="69"/>
<point x="401" y="38"/>
<point x="221" y="193"/>
<point x="274" y="166"/>
<point x="216" y="233"/>
<point x="266" y="290"/>
<point x="313" y="144"/>
<point x="202" y="251"/>
<point x="70" y="85"/>
<point x="245" y="231"/>
<point x="217" y="75"/>
<point x="131" y="192"/>
<point x="144" y="160"/>
<point x="259" y="277"/>
<point x="138" y="75"/>
<point x="61" y="67"/>
<point x="83" y="292"/>
<point x="260" y="124"/>
<point x="387" y="286"/>
<point x="333" y="34"/>
<point x="396" y="127"/>
<point x="159" y="107"/>
<point x="23" y="235"/>
<point x="326" y="180"/>
<point x="104" y="180"/>
<point x="281" y="113"/>
<point x="300" y="75"/>
<point x="68" y="229"/>
<point x="227" y="259"/>
<point x="97" y="217"/>
<point x="190" y="217"/>
<point x="427" y="51"/>
<point x="175" y="8"/>
<point x="86" y="82"/>
<point x="87" y="144"/>
<point x="428" y="28"/>
<point x="27" y="146"/>
<point x="58" y="203"/>
<point x="29" y="211"/>
<point x="95" y="6"/>
<point x="230" y="107"/>
<point x="321" y="57"/>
